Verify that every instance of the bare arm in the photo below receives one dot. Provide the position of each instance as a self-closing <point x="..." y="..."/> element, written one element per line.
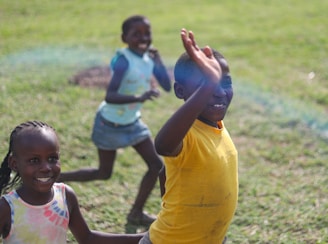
<point x="168" y="141"/>
<point x="160" y="71"/>
<point x="5" y="218"/>
<point x="84" y="235"/>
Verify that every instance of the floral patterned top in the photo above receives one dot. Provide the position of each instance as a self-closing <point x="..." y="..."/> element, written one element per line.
<point x="43" y="224"/>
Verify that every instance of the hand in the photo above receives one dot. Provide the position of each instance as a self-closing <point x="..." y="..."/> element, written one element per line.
<point x="149" y="95"/>
<point x="154" y="55"/>
<point x="202" y="57"/>
<point x="153" y="52"/>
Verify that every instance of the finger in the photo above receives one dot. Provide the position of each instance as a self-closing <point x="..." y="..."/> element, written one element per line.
<point x="208" y="52"/>
<point x="187" y="42"/>
<point x="183" y="31"/>
<point x="153" y="50"/>
<point x="193" y="41"/>
<point x="184" y="37"/>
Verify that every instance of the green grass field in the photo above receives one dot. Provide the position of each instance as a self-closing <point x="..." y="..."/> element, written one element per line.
<point x="278" y="54"/>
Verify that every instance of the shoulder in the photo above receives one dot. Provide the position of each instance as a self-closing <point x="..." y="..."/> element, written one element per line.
<point x="68" y="189"/>
<point x="119" y="61"/>
<point x="70" y="193"/>
<point x="71" y="197"/>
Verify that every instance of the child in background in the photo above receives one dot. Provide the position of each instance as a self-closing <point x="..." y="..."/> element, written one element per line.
<point x="40" y="210"/>
<point x="118" y="121"/>
<point x="201" y="188"/>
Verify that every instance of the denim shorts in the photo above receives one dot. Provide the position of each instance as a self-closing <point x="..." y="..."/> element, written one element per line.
<point x="145" y="239"/>
<point x="109" y="136"/>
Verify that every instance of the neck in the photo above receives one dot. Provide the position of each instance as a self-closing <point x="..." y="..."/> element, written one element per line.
<point x="35" y="198"/>
<point x="208" y="122"/>
<point x="136" y="53"/>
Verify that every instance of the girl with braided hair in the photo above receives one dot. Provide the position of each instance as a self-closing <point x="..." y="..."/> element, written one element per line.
<point x="40" y="210"/>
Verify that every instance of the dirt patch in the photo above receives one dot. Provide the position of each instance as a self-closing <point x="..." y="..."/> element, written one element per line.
<point x="98" y="76"/>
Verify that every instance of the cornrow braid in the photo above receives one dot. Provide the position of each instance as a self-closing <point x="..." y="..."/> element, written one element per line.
<point x="5" y="171"/>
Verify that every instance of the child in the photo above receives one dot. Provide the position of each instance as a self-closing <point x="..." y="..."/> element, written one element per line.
<point x="118" y="121"/>
<point x="40" y="210"/>
<point x="201" y="187"/>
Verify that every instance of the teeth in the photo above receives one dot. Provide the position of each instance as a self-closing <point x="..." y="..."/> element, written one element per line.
<point x="43" y="179"/>
<point x="218" y="105"/>
<point x="142" y="45"/>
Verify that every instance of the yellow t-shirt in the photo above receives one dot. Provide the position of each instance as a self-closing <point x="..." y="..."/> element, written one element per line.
<point x="201" y="189"/>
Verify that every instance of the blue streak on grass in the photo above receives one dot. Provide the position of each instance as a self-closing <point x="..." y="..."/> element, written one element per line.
<point x="57" y="56"/>
<point x="312" y="115"/>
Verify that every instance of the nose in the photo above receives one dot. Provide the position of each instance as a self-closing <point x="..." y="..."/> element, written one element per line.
<point x="145" y="38"/>
<point x="45" y="166"/>
<point x="219" y="92"/>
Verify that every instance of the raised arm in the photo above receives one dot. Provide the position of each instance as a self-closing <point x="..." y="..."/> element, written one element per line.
<point x="168" y="141"/>
<point x="160" y="71"/>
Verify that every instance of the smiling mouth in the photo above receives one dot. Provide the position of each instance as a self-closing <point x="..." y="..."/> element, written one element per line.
<point x="44" y="180"/>
<point x="218" y="106"/>
<point x="143" y="46"/>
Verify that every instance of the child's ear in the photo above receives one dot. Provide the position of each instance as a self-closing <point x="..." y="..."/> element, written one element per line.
<point x="224" y="66"/>
<point x="179" y="90"/>
<point x="123" y="38"/>
<point x="12" y="163"/>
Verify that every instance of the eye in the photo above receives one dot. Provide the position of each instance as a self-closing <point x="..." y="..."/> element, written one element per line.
<point x="226" y="81"/>
<point x="53" y="159"/>
<point x="148" y="34"/>
<point x="137" y="34"/>
<point x="34" y="161"/>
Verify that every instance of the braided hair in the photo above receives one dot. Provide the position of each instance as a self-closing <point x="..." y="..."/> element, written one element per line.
<point x="5" y="171"/>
